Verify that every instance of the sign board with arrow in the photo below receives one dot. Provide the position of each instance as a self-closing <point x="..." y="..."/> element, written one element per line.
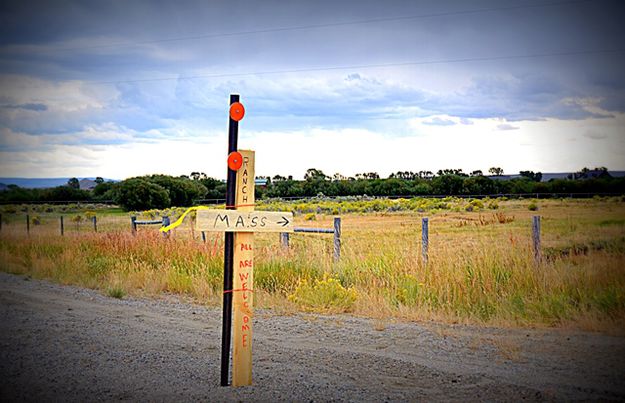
<point x="244" y="221"/>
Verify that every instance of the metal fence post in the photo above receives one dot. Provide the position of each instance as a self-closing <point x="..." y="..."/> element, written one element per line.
<point x="284" y="240"/>
<point x="62" y="227"/>
<point x="536" y="239"/>
<point x="425" y="239"/>
<point x="95" y="223"/>
<point x="337" y="238"/>
<point x="133" y="224"/>
<point x="164" y="224"/>
<point x="27" y="224"/>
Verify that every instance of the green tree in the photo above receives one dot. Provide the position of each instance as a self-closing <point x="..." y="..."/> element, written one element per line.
<point x="215" y="189"/>
<point x="447" y="184"/>
<point x="479" y="185"/>
<point x="495" y="171"/>
<point x="141" y="194"/>
<point x="73" y="183"/>
<point x="102" y="191"/>
<point x="182" y="191"/>
<point x="536" y="177"/>
<point x="315" y="174"/>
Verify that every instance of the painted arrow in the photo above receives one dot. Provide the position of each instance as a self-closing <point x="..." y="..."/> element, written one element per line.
<point x="285" y="221"/>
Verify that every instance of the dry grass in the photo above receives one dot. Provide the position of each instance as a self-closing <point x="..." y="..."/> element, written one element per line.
<point x="480" y="271"/>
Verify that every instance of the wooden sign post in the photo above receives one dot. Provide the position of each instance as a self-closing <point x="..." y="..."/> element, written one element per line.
<point x="243" y="281"/>
<point x="243" y="222"/>
<point x="239" y="222"/>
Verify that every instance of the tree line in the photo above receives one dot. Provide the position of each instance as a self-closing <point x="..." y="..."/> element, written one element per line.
<point x="163" y="191"/>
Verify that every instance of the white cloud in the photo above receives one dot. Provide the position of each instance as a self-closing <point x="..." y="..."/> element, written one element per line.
<point x="61" y="96"/>
<point x="506" y="126"/>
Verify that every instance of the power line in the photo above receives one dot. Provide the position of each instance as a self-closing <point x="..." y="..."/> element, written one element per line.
<point x="318" y="26"/>
<point x="367" y="66"/>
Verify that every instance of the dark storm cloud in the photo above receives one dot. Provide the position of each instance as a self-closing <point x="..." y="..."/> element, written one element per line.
<point x="118" y="41"/>
<point x="28" y="107"/>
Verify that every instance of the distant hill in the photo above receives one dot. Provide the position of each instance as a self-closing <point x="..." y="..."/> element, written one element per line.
<point x="32" y="183"/>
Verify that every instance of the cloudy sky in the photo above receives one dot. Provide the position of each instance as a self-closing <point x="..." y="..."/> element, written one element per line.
<point x="124" y="88"/>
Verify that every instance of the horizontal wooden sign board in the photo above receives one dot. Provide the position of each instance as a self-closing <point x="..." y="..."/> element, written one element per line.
<point x="244" y="221"/>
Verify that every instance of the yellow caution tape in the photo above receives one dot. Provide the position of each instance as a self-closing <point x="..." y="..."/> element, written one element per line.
<point x="181" y="218"/>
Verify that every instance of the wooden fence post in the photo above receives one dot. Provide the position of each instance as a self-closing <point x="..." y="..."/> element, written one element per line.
<point x="425" y="238"/>
<point x="284" y="240"/>
<point x="133" y="224"/>
<point x="27" y="224"/>
<point x="62" y="227"/>
<point x="536" y="239"/>
<point x="95" y="223"/>
<point x="337" y="238"/>
<point x="164" y="224"/>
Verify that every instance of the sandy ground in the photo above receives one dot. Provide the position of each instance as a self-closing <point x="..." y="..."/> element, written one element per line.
<point x="71" y="344"/>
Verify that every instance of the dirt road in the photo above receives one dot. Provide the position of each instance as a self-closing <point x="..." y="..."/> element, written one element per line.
<point x="71" y="344"/>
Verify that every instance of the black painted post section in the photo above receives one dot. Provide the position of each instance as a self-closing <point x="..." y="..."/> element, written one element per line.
<point x="133" y="224"/>
<point x="95" y="223"/>
<point x="203" y="236"/>
<point x="233" y="134"/>
<point x="62" y="227"/>
<point x="27" y="224"/>
<point x="164" y="224"/>
<point x="337" y="238"/>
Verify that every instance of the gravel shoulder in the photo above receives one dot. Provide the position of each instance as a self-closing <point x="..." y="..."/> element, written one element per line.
<point x="72" y="344"/>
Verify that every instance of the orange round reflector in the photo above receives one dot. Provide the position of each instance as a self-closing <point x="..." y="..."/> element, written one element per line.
<point x="237" y="111"/>
<point x="235" y="160"/>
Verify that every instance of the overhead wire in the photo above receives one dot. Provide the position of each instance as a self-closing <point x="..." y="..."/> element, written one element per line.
<point x="365" y="66"/>
<point x="318" y="26"/>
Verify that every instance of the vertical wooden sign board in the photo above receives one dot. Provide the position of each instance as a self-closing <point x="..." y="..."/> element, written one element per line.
<point x="243" y="281"/>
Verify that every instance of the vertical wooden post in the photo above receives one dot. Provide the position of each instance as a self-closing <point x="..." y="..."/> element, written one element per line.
<point x="62" y="227"/>
<point x="425" y="238"/>
<point x="337" y="238"/>
<point x="243" y="283"/>
<point x="95" y="223"/>
<point x="536" y="239"/>
<point x="165" y="223"/>
<point x="27" y="224"/>
<point x="226" y="329"/>
<point x="133" y="225"/>
<point x="284" y="240"/>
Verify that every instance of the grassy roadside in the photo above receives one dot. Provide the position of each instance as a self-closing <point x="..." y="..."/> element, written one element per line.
<point x="481" y="268"/>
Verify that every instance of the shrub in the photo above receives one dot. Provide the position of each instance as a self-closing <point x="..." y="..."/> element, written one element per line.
<point x="532" y="207"/>
<point x="310" y="217"/>
<point x="116" y="292"/>
<point x="477" y="203"/>
<point x="326" y="295"/>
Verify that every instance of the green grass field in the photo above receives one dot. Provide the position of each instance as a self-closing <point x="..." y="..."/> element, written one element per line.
<point x="481" y="268"/>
